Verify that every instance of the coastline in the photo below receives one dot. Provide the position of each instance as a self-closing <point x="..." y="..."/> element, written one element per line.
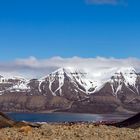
<point x="65" y="112"/>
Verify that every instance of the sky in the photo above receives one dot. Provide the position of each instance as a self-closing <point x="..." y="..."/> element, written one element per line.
<point x="37" y="31"/>
<point x="67" y="28"/>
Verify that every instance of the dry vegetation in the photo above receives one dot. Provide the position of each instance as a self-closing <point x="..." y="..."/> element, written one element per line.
<point x="69" y="132"/>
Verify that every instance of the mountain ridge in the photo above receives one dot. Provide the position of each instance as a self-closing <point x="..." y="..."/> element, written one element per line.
<point x="73" y="90"/>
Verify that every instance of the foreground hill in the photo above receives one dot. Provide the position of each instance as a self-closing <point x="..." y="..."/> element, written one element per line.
<point x="70" y="132"/>
<point x="72" y="90"/>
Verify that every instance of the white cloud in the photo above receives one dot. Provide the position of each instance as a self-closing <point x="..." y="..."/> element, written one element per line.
<point x="33" y="67"/>
<point x="110" y="2"/>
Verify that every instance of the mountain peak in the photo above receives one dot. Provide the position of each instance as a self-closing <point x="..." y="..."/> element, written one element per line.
<point x="129" y="75"/>
<point x="127" y="70"/>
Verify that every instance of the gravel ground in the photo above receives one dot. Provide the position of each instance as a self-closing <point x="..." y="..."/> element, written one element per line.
<point x="69" y="132"/>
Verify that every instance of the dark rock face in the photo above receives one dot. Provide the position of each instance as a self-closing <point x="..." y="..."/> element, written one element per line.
<point x="21" y="102"/>
<point x="132" y="122"/>
<point x="66" y="90"/>
<point x="5" y="121"/>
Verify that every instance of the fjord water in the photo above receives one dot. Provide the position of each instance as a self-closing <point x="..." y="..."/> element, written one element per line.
<point x="65" y="117"/>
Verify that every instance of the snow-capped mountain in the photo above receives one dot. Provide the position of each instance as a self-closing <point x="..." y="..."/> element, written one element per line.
<point x="125" y="77"/>
<point x="80" y="81"/>
<point x="13" y="84"/>
<point x="76" y="90"/>
<point x="73" y="79"/>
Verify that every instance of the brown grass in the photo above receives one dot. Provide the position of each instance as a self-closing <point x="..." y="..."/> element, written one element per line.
<point x="70" y="132"/>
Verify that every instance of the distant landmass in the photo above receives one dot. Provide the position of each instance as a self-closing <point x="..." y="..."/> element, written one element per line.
<point x="73" y="90"/>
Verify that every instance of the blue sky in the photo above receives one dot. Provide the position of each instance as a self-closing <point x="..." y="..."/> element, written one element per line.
<point x="67" y="28"/>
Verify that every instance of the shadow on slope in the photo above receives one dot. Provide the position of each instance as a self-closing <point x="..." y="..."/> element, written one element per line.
<point x="5" y="121"/>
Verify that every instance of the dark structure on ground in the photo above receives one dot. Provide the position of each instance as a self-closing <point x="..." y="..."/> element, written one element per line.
<point x="133" y="122"/>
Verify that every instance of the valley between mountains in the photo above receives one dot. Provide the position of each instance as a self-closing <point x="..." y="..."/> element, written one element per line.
<point x="72" y="90"/>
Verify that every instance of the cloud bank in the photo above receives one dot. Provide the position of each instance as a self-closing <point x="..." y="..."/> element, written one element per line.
<point x="36" y="68"/>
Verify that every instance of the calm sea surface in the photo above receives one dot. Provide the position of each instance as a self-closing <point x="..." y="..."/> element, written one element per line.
<point x="65" y="117"/>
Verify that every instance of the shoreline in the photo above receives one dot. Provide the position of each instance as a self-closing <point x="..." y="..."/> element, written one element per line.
<point x="54" y="112"/>
<point x="64" y="118"/>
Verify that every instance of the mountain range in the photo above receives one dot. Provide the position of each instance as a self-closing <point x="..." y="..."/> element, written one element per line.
<point x="73" y="90"/>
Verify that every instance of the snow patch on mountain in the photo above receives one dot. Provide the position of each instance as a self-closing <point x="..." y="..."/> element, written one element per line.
<point x="17" y="84"/>
<point x="129" y="75"/>
<point x="21" y="86"/>
<point x="126" y="76"/>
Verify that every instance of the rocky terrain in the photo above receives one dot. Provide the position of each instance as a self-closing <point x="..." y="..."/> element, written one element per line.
<point x="72" y="90"/>
<point x="70" y="132"/>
